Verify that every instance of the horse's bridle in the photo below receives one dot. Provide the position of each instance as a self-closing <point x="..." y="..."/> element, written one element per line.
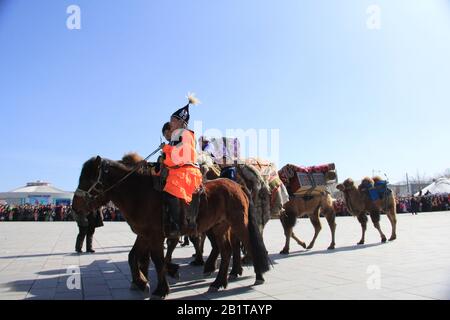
<point x="103" y="167"/>
<point x="97" y="186"/>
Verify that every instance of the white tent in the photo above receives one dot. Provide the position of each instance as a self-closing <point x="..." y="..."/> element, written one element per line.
<point x="36" y="193"/>
<point x="439" y="186"/>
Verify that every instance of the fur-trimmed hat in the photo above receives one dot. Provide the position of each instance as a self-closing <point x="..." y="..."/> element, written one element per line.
<point x="183" y="113"/>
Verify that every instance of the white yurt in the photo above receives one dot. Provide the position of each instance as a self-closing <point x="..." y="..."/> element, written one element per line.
<point x="439" y="186"/>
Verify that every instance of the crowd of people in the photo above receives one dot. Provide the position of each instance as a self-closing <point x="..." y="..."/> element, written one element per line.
<point x="49" y="212"/>
<point x="426" y="203"/>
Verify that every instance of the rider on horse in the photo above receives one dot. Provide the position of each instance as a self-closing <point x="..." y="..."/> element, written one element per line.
<point x="184" y="176"/>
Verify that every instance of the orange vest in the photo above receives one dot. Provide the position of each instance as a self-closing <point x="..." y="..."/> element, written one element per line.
<point x="184" y="175"/>
<point x="183" y="153"/>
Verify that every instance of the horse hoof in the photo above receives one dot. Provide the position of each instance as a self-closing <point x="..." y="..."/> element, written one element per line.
<point x="213" y="289"/>
<point x="383" y="240"/>
<point x="284" y="251"/>
<point x="309" y="247"/>
<point x="303" y="245"/>
<point x="232" y="277"/>
<point x="207" y="274"/>
<point x="258" y="282"/>
<point x="330" y="248"/>
<point x="360" y="243"/>
<point x="392" y="238"/>
<point x="156" y="297"/>
<point x="135" y="287"/>
<point x="197" y="263"/>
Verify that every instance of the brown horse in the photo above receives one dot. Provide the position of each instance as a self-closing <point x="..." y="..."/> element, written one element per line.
<point x="312" y="206"/>
<point x="359" y="204"/>
<point x="224" y="208"/>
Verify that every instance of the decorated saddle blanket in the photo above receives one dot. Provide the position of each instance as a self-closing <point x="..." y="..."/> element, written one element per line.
<point x="300" y="179"/>
<point x="225" y="151"/>
<point x="376" y="191"/>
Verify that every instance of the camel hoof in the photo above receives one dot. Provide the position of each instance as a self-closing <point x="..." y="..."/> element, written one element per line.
<point x="258" y="282"/>
<point x="284" y="251"/>
<point x="213" y="290"/>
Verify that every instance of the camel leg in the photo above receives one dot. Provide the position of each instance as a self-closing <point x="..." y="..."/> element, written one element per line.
<point x="288" y="221"/>
<point x="375" y="217"/>
<point x="139" y="280"/>
<point x="299" y="242"/>
<point x="331" y="219"/>
<point x="162" y="289"/>
<point x="392" y="216"/>
<point x="222" y="236"/>
<point x="172" y="268"/>
<point x="210" y="264"/>
<point x="236" y="269"/>
<point x="362" y="218"/>
<point x="317" y="227"/>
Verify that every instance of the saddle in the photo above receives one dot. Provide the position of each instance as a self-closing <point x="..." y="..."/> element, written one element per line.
<point x="376" y="191"/>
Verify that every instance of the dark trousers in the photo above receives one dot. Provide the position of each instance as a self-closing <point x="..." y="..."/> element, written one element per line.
<point x="85" y="232"/>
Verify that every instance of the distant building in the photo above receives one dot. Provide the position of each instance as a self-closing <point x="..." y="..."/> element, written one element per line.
<point x="36" y="193"/>
<point x="403" y="190"/>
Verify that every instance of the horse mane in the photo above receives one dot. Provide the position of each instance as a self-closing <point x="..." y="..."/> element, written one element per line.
<point x="131" y="159"/>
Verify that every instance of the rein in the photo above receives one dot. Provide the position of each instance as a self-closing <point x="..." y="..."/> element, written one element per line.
<point x="87" y="194"/>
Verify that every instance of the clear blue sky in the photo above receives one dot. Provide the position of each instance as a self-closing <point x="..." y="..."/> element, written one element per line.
<point x="338" y="92"/>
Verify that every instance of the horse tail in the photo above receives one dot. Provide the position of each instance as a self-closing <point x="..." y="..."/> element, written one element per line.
<point x="259" y="252"/>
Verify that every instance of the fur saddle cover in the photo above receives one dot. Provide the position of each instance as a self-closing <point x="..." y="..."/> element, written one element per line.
<point x="268" y="171"/>
<point x="299" y="179"/>
<point x="249" y="176"/>
<point x="376" y="188"/>
<point x="207" y="163"/>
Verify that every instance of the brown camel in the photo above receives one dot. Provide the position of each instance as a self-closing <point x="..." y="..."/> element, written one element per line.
<point x="359" y="203"/>
<point x="312" y="205"/>
<point x="224" y="208"/>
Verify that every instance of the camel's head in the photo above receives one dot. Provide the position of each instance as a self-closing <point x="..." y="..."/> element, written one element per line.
<point x="348" y="184"/>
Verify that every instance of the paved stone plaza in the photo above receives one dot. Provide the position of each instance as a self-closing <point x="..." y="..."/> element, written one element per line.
<point x="34" y="258"/>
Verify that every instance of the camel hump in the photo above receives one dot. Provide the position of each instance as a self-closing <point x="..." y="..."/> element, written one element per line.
<point x="377" y="179"/>
<point x="132" y="158"/>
